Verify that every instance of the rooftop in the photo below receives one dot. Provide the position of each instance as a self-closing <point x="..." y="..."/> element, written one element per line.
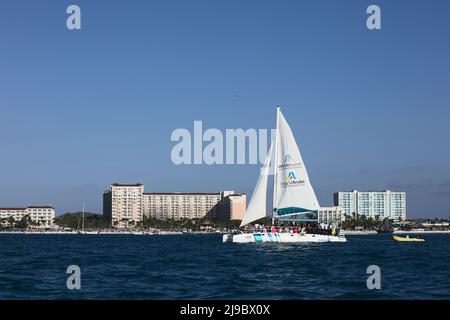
<point x="29" y="207"/>
<point x="127" y="185"/>
<point x="40" y="207"/>
<point x="183" y="193"/>
<point x="374" y="191"/>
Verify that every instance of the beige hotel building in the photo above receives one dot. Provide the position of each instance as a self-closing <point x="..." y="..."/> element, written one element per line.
<point x="126" y="204"/>
<point x="122" y="204"/>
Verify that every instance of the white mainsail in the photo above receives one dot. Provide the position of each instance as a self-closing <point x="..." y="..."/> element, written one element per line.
<point x="257" y="207"/>
<point x="293" y="190"/>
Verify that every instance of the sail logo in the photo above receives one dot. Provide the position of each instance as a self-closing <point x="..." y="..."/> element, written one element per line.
<point x="288" y="163"/>
<point x="287" y="158"/>
<point x="291" y="177"/>
<point x="291" y="180"/>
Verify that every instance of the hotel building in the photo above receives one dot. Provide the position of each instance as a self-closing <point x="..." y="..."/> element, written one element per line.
<point x="42" y="215"/>
<point x="331" y="215"/>
<point x="181" y="205"/>
<point x="385" y="204"/>
<point x="232" y="207"/>
<point x="126" y="205"/>
<point x="122" y="204"/>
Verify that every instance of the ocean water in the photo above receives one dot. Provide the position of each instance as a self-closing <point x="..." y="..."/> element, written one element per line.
<point x="202" y="267"/>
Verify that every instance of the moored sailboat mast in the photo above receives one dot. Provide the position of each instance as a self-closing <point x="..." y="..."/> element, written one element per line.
<point x="82" y="222"/>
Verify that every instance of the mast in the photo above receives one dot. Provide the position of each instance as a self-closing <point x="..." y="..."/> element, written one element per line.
<point x="275" y="166"/>
<point x="82" y="221"/>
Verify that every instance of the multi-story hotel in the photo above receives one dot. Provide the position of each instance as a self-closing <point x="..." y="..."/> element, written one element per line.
<point x="181" y="205"/>
<point x="222" y="206"/>
<point x="122" y="204"/>
<point x="42" y="215"/>
<point x="126" y="204"/>
<point x="385" y="204"/>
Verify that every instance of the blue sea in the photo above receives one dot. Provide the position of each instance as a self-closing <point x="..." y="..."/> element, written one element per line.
<point x="202" y="267"/>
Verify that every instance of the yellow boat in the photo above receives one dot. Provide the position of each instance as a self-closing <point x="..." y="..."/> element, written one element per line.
<point x="408" y="239"/>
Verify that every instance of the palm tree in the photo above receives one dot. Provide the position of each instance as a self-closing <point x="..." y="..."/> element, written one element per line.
<point x="2" y="222"/>
<point x="11" y="221"/>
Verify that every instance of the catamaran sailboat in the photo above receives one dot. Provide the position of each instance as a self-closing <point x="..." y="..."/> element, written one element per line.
<point x="294" y="198"/>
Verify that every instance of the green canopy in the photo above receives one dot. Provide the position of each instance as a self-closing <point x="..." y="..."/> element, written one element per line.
<point x="292" y="210"/>
<point x="297" y="220"/>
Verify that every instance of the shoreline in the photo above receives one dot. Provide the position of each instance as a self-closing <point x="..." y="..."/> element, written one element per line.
<point x="358" y="233"/>
<point x="102" y="233"/>
<point x="166" y="233"/>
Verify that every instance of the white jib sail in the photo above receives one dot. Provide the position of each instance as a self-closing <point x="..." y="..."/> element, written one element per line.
<point x="294" y="193"/>
<point x="257" y="207"/>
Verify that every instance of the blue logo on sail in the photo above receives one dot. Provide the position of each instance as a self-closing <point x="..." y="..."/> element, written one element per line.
<point x="287" y="158"/>
<point x="291" y="177"/>
<point x="291" y="180"/>
<point x="290" y="163"/>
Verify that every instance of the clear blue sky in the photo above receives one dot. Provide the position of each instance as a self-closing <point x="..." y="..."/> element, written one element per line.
<point x="82" y="109"/>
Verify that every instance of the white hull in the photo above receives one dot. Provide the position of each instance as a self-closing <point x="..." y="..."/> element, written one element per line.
<point x="257" y="237"/>
<point x="87" y="232"/>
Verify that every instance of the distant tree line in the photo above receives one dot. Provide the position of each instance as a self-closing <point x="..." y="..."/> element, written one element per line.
<point x="188" y="224"/>
<point x="368" y="223"/>
<point x="73" y="220"/>
<point x="97" y="221"/>
<point x="11" y="223"/>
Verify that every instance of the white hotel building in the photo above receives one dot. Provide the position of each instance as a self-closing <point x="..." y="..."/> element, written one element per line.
<point x="331" y="215"/>
<point x="42" y="215"/>
<point x="385" y="204"/>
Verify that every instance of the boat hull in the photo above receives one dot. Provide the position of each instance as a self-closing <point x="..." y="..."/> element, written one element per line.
<point x="401" y="239"/>
<point x="87" y="232"/>
<point x="257" y="237"/>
